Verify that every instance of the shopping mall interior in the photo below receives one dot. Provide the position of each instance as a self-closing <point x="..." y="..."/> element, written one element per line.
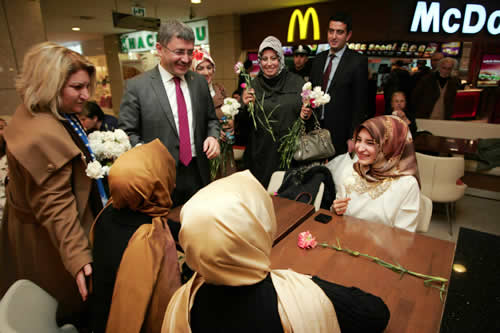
<point x="119" y="37"/>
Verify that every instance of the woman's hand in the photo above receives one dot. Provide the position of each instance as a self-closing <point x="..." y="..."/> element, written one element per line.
<point x="228" y="127"/>
<point x="248" y="96"/>
<point x="305" y="112"/>
<point x="339" y="206"/>
<point x="80" y="280"/>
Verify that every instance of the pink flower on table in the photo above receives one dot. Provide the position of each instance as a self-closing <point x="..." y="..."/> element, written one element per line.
<point x="306" y="240"/>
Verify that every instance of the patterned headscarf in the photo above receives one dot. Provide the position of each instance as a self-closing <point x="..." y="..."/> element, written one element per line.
<point x="227" y="233"/>
<point x="395" y="151"/>
<point x="199" y="56"/>
<point x="273" y="43"/>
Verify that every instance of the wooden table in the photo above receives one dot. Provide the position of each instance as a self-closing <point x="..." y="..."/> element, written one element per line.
<point x="414" y="307"/>
<point x="289" y="214"/>
<point x="443" y="145"/>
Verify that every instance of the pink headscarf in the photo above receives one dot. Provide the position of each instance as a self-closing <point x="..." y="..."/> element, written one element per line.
<point x="199" y="56"/>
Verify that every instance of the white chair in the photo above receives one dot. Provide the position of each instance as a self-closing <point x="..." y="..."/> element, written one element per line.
<point x="277" y="180"/>
<point x="27" y="308"/>
<point x="424" y="214"/>
<point x="438" y="177"/>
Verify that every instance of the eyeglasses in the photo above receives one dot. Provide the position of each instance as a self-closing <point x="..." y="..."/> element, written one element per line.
<point x="181" y="52"/>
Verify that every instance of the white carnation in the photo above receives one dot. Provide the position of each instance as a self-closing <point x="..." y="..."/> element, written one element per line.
<point x="105" y="169"/>
<point x="121" y="136"/>
<point x="108" y="136"/>
<point x="94" y="170"/>
<point x="95" y="136"/>
<point x="307" y="86"/>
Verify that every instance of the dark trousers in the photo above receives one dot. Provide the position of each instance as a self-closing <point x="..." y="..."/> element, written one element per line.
<point x="188" y="182"/>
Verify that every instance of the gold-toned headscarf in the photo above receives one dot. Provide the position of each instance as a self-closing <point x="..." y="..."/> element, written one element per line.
<point x="227" y="234"/>
<point x="395" y="150"/>
<point x="143" y="178"/>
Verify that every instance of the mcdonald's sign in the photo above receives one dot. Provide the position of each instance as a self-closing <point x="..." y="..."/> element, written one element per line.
<point x="303" y="24"/>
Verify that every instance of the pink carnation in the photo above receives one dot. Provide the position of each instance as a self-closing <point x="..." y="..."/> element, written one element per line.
<point x="306" y="240"/>
<point x="243" y="85"/>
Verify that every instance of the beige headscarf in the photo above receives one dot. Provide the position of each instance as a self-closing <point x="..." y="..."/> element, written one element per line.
<point x="227" y="234"/>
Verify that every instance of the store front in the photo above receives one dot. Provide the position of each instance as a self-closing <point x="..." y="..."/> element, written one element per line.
<point x="138" y="49"/>
<point x="391" y="31"/>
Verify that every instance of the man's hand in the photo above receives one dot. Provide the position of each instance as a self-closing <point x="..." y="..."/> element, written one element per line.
<point x="80" y="280"/>
<point x="211" y="147"/>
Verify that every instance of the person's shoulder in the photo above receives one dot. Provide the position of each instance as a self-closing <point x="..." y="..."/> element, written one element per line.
<point x="140" y="79"/>
<point x="294" y="78"/>
<point x="407" y="183"/>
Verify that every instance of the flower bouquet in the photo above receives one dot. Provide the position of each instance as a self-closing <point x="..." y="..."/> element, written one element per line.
<point x="230" y="108"/>
<point x="310" y="98"/>
<point x="106" y="146"/>
<point x="261" y="116"/>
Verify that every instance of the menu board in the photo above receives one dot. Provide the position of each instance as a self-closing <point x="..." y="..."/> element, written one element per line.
<point x="406" y="48"/>
<point x="489" y="74"/>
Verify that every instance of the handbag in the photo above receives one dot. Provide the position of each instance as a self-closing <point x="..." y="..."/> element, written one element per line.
<point x="315" y="145"/>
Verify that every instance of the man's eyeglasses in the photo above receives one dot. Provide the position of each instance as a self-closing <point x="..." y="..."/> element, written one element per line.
<point x="181" y="52"/>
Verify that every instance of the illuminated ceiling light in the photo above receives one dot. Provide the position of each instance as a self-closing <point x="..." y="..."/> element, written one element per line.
<point x="195" y="1"/>
<point x="459" y="268"/>
<point x="75" y="28"/>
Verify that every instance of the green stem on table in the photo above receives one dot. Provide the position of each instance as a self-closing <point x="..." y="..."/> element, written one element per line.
<point x="429" y="280"/>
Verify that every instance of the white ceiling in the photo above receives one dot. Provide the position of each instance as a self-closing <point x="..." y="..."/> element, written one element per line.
<point x="94" y="17"/>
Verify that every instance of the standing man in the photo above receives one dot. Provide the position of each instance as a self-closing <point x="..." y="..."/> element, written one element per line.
<point x="301" y="63"/>
<point x="174" y="104"/>
<point x="434" y="96"/>
<point x="342" y="73"/>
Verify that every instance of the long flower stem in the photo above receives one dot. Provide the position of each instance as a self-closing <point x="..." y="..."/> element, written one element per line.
<point x="428" y="279"/>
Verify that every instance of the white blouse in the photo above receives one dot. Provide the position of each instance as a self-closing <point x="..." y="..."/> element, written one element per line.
<point x="394" y="202"/>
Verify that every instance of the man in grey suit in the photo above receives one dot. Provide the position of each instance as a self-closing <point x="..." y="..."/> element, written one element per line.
<point x="174" y="104"/>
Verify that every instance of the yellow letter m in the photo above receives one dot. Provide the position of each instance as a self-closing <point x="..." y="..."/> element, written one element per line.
<point x="303" y="24"/>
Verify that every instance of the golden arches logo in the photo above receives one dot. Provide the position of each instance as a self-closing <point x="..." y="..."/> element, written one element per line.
<point x="303" y="24"/>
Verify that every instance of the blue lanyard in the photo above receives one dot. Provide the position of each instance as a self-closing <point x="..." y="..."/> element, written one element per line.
<point x="81" y="133"/>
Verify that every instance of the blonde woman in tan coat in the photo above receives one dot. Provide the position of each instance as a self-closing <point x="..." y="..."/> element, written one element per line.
<point x="51" y="203"/>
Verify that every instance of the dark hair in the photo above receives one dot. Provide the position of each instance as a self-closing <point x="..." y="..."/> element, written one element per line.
<point x="342" y="17"/>
<point x="174" y="28"/>
<point x="94" y="110"/>
<point x="237" y="91"/>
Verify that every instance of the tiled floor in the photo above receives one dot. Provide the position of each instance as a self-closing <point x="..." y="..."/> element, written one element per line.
<point x="472" y="212"/>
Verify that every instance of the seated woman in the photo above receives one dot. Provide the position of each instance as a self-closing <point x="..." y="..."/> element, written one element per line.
<point x="227" y="231"/>
<point x="381" y="184"/>
<point x="398" y="108"/>
<point x="135" y="259"/>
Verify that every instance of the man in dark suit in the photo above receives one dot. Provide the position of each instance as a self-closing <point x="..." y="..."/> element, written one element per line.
<point x="174" y="104"/>
<point x="342" y="73"/>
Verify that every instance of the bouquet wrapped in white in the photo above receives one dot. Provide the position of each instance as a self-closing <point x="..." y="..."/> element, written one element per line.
<point x="106" y="146"/>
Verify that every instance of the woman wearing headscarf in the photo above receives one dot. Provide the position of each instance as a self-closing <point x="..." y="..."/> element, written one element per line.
<point x="381" y="184"/>
<point x="279" y="90"/>
<point x="227" y="232"/>
<point x="51" y="202"/>
<point x="204" y="64"/>
<point x="135" y="259"/>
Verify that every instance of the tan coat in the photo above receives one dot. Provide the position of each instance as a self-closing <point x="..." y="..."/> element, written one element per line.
<point x="44" y="238"/>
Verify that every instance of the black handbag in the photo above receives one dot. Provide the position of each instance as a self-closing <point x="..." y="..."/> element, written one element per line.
<point x="315" y="145"/>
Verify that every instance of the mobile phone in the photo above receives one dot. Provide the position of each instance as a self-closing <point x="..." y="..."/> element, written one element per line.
<point x="323" y="218"/>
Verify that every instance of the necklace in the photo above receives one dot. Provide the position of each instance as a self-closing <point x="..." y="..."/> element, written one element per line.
<point x="361" y="185"/>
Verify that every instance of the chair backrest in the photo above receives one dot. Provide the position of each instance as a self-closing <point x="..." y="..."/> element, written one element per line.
<point x="275" y="182"/>
<point x="438" y="176"/>
<point x="424" y="214"/>
<point x="27" y="308"/>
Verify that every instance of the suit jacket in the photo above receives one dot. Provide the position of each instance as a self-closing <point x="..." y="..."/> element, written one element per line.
<point x="349" y="95"/>
<point x="49" y="197"/>
<point x="145" y="114"/>
<point x="427" y="92"/>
